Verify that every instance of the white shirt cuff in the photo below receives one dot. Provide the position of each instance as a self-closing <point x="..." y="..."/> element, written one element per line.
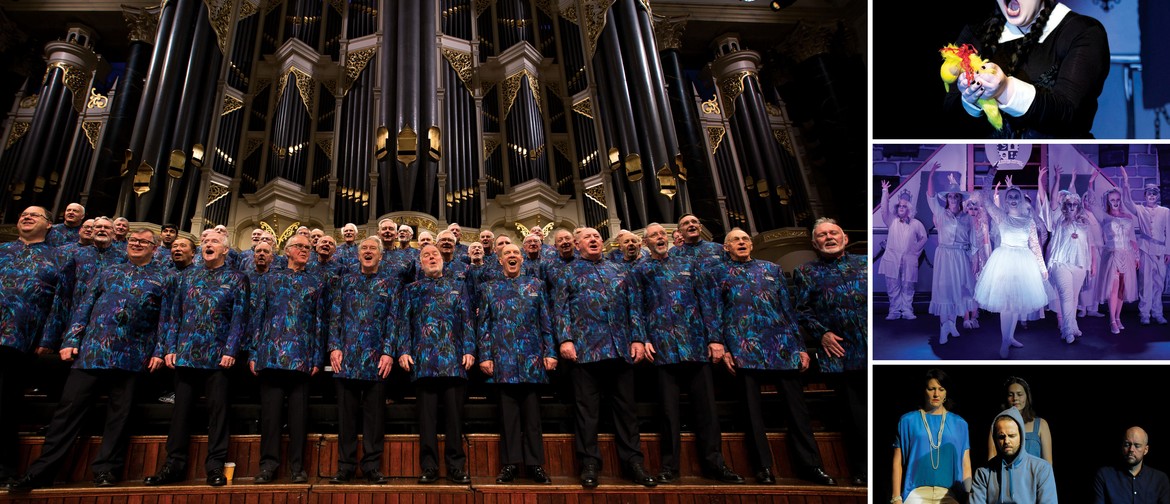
<point x="971" y="108"/>
<point x="1017" y="97"/>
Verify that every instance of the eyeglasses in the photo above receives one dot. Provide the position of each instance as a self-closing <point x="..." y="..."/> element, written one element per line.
<point x="136" y="241"/>
<point x="33" y="214"/>
<point x="300" y="246"/>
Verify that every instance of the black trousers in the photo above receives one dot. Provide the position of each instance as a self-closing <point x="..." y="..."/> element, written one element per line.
<point x="615" y="379"/>
<point x="520" y="434"/>
<point x="453" y="392"/>
<point x="795" y="411"/>
<point x="852" y="388"/>
<point x="13" y="377"/>
<point x="77" y="398"/>
<point x="370" y="397"/>
<point x="188" y="382"/>
<point x="696" y="377"/>
<point x="275" y="386"/>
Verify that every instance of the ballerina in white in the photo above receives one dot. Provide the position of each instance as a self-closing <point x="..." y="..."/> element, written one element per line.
<point x="1012" y="282"/>
<point x="1119" y="254"/>
<point x="951" y="287"/>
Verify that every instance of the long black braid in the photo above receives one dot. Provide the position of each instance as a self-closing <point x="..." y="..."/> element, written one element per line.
<point x="993" y="27"/>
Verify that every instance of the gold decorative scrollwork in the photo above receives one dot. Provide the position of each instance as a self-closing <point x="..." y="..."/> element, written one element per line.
<point x="486" y="85"/>
<point x="75" y="79"/>
<point x="355" y="62"/>
<point x="489" y="146"/>
<point x="30" y="101"/>
<point x="261" y="84"/>
<point x="219" y="15"/>
<point x="231" y="104"/>
<point x="584" y="107"/>
<point x="562" y="147"/>
<point x="280" y="85"/>
<point x="785" y="141"/>
<point x="247" y="8"/>
<point x="715" y="137"/>
<point x="142" y="23"/>
<point x="19" y="128"/>
<point x="594" y="21"/>
<point x="731" y="86"/>
<point x="547" y="7"/>
<point x="597" y="194"/>
<point x="419" y="222"/>
<point x="482" y="5"/>
<point x="710" y="107"/>
<point x="781" y="234"/>
<point x="331" y="85"/>
<point x="461" y="63"/>
<point x="326" y="146"/>
<point x="668" y="32"/>
<point x="215" y="192"/>
<point x="773" y="110"/>
<point x="93" y="130"/>
<point x="96" y="100"/>
<point x="512" y="87"/>
<point x="304" y="83"/>
<point x="251" y="146"/>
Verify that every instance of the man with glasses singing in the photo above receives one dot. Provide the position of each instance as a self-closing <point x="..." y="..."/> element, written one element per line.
<point x="110" y="339"/>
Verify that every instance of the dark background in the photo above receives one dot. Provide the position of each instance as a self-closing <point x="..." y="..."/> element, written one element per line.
<point x="1088" y="409"/>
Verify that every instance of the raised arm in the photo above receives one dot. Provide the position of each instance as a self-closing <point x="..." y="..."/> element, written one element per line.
<point x="935" y="207"/>
<point x="990" y="205"/>
<point x="1126" y="197"/>
<point x="887" y="213"/>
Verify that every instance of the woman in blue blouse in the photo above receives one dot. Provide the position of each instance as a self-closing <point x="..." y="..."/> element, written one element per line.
<point x="932" y="452"/>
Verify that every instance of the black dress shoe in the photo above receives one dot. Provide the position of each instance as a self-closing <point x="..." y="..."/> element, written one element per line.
<point x="589" y="476"/>
<point x="667" y="476"/>
<point x="299" y="477"/>
<point x="861" y="480"/>
<point x="105" y="479"/>
<point x="817" y="475"/>
<point x="639" y="476"/>
<point x="341" y="477"/>
<point x="507" y="473"/>
<point x="724" y="475"/>
<point x="429" y="476"/>
<point x="265" y="476"/>
<point x="168" y="474"/>
<point x="458" y="476"/>
<point x="376" y="477"/>
<point x="538" y="475"/>
<point x="765" y="477"/>
<point x="25" y="484"/>
<point x="215" y="477"/>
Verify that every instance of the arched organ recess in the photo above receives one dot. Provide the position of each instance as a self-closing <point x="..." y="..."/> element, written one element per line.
<point x="490" y="113"/>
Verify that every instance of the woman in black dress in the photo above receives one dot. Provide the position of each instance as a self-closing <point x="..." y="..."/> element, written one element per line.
<point x="1045" y="67"/>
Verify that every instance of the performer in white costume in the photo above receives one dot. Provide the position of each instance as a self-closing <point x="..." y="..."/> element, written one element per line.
<point x="904" y="243"/>
<point x="1154" y="222"/>
<point x="951" y="287"/>
<point x="1069" y="255"/>
<point x="1119" y="256"/>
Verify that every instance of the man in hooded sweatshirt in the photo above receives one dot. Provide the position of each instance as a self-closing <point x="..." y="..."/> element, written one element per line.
<point x="1013" y="475"/>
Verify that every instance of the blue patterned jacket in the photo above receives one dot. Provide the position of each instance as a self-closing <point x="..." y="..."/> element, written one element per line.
<point x="60" y="234"/>
<point x="753" y="313"/>
<point x="115" y="324"/>
<point x="34" y="294"/>
<point x="362" y="323"/>
<point x="671" y="314"/>
<point x="89" y="262"/>
<point x="514" y="330"/>
<point x="436" y="327"/>
<point x="291" y="329"/>
<point x="599" y="311"/>
<point x="703" y="251"/>
<point x="206" y="318"/>
<point x="832" y="295"/>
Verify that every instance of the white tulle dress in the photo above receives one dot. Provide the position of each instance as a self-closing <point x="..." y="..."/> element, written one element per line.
<point x="1012" y="281"/>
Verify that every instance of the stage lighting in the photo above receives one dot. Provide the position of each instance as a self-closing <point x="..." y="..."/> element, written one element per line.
<point x="780" y="4"/>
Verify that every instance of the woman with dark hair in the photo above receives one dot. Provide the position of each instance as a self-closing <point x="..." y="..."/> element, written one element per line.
<point x="932" y="452"/>
<point x="1045" y="67"/>
<point x="1037" y="437"/>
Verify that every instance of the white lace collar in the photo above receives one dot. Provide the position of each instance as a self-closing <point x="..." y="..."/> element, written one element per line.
<point x="1012" y="32"/>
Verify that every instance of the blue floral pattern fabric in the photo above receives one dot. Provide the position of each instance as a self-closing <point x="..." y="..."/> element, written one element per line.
<point x="599" y="310"/>
<point x="704" y="251"/>
<point x="515" y="329"/>
<point x="436" y="327"/>
<point x="60" y="234"/>
<point x="671" y="316"/>
<point x="206" y="318"/>
<point x="291" y="328"/>
<point x="115" y="324"/>
<point x="362" y="323"/>
<point x="33" y="295"/>
<point x="753" y="314"/>
<point x="89" y="262"/>
<point x="832" y="295"/>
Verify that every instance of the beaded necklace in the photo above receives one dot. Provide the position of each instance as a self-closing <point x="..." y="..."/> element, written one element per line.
<point x="935" y="444"/>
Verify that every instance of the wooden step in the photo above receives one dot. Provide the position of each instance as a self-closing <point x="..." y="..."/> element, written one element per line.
<point x="400" y="459"/>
